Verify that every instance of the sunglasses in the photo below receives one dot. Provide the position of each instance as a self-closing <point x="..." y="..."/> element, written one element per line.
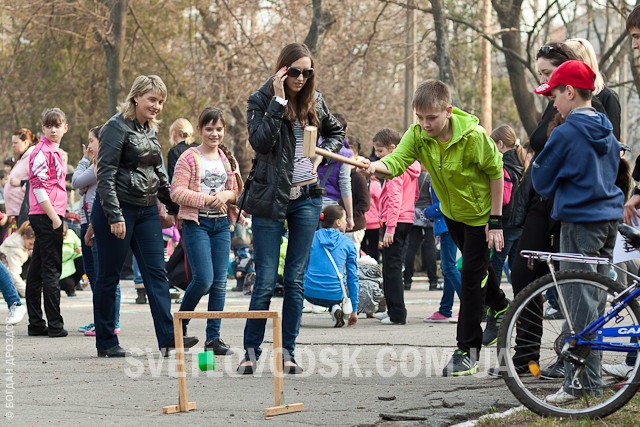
<point x="295" y="72"/>
<point x="546" y="50"/>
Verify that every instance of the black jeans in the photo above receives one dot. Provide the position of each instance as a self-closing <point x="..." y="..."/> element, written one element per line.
<point x="392" y="285"/>
<point x="370" y="243"/>
<point x="421" y="237"/>
<point x="537" y="235"/>
<point x="43" y="276"/>
<point x="472" y="242"/>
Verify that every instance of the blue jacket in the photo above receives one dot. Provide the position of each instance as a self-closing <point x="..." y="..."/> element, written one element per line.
<point x="578" y="167"/>
<point x="321" y="280"/>
<point x="434" y="212"/>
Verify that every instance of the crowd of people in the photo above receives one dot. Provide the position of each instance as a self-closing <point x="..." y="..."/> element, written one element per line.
<point x="445" y="183"/>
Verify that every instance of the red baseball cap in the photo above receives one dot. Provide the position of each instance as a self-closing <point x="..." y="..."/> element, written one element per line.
<point x="571" y="73"/>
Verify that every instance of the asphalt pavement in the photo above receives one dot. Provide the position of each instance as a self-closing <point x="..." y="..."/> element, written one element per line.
<point x="369" y="374"/>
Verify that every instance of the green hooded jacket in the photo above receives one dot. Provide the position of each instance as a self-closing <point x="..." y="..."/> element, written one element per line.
<point x="460" y="169"/>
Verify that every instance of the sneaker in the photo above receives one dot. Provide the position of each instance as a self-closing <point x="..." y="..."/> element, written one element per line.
<point x="460" y="364"/>
<point x="494" y="320"/>
<point x="407" y="286"/>
<point x="560" y="397"/>
<point x="454" y="319"/>
<point x="86" y="328"/>
<point x="551" y="313"/>
<point x="338" y="316"/>
<point x="619" y="371"/>
<point x="436" y="317"/>
<point x="16" y="314"/>
<point x="433" y="285"/>
<point x="381" y="316"/>
<point x="555" y="371"/>
<point x="306" y="309"/>
<point x="387" y="321"/>
<point x="90" y="333"/>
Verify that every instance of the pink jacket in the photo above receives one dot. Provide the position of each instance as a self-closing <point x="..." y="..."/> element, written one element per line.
<point x="398" y="198"/>
<point x="47" y="171"/>
<point x="373" y="214"/>
<point x="185" y="185"/>
<point x="13" y="196"/>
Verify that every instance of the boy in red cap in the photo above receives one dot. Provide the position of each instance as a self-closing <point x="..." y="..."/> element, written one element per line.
<point x="578" y="167"/>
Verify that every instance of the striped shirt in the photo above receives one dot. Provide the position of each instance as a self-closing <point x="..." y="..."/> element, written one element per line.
<point x="302" y="166"/>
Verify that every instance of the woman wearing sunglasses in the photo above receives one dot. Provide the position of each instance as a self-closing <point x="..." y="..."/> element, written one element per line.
<point x="283" y="185"/>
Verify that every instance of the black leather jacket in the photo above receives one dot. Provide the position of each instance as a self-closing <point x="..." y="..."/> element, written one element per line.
<point x="271" y="136"/>
<point x="129" y="167"/>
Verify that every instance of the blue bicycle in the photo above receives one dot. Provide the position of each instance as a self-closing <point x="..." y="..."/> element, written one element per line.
<point x="593" y="336"/>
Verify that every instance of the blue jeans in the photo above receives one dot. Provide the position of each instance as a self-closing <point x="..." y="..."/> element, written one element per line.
<point x="8" y="289"/>
<point x="137" y="277"/>
<point x="90" y="260"/>
<point x="207" y="246"/>
<point x="585" y="303"/>
<point x="144" y="236"/>
<point x="322" y="302"/>
<point x="510" y="249"/>
<point x="302" y="219"/>
<point x="451" y="275"/>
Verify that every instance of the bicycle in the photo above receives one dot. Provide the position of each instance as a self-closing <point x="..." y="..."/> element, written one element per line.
<point x="590" y="337"/>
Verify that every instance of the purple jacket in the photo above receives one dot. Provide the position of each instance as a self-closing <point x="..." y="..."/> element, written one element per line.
<point x="331" y="183"/>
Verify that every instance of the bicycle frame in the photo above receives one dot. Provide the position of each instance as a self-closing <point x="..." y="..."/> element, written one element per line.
<point x="596" y="327"/>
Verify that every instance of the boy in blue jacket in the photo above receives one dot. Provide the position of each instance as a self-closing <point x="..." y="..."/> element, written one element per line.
<point x="578" y="167"/>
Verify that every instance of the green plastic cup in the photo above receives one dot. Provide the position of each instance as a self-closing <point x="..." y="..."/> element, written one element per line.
<point x="206" y="361"/>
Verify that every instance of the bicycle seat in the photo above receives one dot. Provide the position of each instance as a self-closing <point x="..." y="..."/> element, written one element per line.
<point x="631" y="235"/>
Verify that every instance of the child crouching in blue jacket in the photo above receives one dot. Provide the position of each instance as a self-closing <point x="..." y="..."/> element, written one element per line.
<point x="323" y="285"/>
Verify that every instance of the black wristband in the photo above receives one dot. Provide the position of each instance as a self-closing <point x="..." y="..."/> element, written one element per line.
<point x="636" y="191"/>
<point x="495" y="222"/>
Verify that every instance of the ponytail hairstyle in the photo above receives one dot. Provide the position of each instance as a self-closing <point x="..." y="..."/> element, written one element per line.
<point x="183" y="129"/>
<point x="507" y="135"/>
<point x="25" y="230"/>
<point x="330" y="215"/>
<point x="212" y="115"/>
<point x="24" y="134"/>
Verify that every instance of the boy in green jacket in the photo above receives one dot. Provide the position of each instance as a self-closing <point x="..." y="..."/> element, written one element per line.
<point x="466" y="171"/>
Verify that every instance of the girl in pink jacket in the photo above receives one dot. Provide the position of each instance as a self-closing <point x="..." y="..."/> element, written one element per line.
<point x="397" y="202"/>
<point x="206" y="185"/>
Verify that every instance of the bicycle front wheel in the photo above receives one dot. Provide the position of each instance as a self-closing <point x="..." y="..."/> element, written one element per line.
<point x="530" y="341"/>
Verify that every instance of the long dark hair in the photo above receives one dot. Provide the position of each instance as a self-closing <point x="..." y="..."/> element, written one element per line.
<point x="212" y="115"/>
<point x="305" y="105"/>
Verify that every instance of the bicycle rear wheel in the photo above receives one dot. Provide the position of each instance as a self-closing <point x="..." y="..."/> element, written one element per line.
<point x="528" y="342"/>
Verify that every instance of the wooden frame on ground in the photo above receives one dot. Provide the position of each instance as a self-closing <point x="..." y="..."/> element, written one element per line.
<point x="278" y="383"/>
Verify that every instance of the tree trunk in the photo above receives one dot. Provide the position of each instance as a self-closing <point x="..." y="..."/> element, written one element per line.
<point x="442" y="57"/>
<point x="320" y="25"/>
<point x="113" y="44"/>
<point x="242" y="149"/>
<point x="509" y="13"/>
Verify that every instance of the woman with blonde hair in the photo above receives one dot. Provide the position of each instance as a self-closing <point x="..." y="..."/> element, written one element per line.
<point x="608" y="98"/>
<point x="131" y="180"/>
<point x="181" y="138"/>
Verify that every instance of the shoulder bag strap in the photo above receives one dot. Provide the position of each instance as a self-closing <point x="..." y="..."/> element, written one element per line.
<point x="344" y="291"/>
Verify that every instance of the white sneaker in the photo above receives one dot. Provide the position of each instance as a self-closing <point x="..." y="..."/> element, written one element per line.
<point x="16" y="314"/>
<point x="306" y="308"/>
<point x="381" y="316"/>
<point x="316" y="309"/>
<point x="560" y="397"/>
<point x="387" y="321"/>
<point x="619" y="371"/>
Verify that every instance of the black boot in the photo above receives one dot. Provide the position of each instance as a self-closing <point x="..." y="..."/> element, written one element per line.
<point x="142" y="296"/>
